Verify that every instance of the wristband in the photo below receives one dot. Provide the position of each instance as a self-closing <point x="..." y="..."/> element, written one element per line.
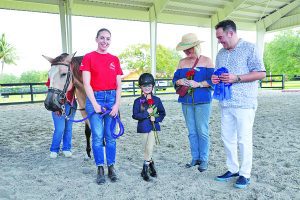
<point x="200" y="84"/>
<point x="238" y="79"/>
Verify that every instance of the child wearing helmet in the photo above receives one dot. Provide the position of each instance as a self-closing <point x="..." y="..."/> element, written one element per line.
<point x="149" y="111"/>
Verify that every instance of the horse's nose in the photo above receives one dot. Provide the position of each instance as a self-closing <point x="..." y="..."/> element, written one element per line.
<point x="50" y="103"/>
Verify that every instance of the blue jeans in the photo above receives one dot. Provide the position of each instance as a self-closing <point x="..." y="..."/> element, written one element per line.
<point x="101" y="128"/>
<point x="197" y="121"/>
<point x="62" y="130"/>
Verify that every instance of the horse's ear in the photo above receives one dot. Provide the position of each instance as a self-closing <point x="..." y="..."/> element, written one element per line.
<point x="48" y="58"/>
<point x="70" y="57"/>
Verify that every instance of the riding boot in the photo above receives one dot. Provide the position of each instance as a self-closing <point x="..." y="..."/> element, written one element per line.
<point x="100" y="175"/>
<point x="144" y="173"/>
<point x="152" y="169"/>
<point x="112" y="173"/>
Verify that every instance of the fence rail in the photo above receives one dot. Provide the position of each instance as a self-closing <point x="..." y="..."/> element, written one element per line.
<point x="271" y="81"/>
<point x="20" y="93"/>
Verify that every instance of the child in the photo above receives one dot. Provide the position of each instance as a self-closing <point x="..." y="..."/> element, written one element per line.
<point x="149" y="111"/>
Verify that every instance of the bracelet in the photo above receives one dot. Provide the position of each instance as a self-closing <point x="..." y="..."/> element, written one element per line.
<point x="200" y="84"/>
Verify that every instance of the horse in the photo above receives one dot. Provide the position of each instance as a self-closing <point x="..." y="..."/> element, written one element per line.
<point x="65" y="70"/>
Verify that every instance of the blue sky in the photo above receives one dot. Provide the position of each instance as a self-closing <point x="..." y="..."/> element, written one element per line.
<point x="37" y="34"/>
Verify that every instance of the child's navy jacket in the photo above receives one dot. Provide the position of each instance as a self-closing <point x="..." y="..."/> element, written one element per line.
<point x="141" y="114"/>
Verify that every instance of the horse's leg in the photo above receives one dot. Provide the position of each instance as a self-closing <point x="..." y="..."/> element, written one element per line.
<point x="88" y="140"/>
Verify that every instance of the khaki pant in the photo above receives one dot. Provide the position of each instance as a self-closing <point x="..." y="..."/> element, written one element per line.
<point x="148" y="143"/>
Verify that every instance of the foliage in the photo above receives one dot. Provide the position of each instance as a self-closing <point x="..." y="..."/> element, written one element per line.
<point x="33" y="77"/>
<point x="137" y="57"/>
<point x="7" y="53"/>
<point x="8" y="78"/>
<point x="282" y="55"/>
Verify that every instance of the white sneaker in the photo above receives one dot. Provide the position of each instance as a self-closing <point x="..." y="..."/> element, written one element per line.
<point x="67" y="154"/>
<point x="53" y="154"/>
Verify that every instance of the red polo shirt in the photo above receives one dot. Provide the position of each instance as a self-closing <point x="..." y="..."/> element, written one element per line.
<point x="104" y="69"/>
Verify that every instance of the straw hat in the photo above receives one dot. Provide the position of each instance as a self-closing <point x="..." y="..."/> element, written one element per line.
<point x="188" y="40"/>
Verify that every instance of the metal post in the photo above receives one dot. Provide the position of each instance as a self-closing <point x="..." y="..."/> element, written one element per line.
<point x="31" y="92"/>
<point x="283" y="81"/>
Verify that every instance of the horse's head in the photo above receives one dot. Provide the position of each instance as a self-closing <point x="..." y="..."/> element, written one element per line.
<point x="60" y="77"/>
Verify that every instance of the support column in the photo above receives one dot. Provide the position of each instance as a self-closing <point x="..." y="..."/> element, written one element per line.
<point x="260" y="35"/>
<point x="69" y="25"/>
<point x="66" y="24"/>
<point x="214" y="41"/>
<point x="153" y="39"/>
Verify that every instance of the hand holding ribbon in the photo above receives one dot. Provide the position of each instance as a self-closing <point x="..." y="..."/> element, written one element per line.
<point x="222" y="90"/>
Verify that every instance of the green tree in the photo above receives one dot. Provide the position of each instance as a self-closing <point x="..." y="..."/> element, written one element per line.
<point x="33" y="77"/>
<point x="7" y="53"/>
<point x="137" y="57"/>
<point x="8" y="78"/>
<point x="282" y="55"/>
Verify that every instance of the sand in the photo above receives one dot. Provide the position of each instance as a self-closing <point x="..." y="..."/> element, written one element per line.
<point x="27" y="172"/>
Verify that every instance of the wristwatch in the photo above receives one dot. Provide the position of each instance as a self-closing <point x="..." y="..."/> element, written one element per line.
<point x="238" y="79"/>
<point x="200" y="84"/>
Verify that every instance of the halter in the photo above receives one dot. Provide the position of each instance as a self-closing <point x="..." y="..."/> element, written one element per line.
<point x="61" y="94"/>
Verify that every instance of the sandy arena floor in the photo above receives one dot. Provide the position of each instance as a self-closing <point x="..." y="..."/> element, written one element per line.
<point x="27" y="172"/>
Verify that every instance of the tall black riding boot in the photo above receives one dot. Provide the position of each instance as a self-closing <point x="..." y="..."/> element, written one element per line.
<point x="100" y="175"/>
<point x="144" y="173"/>
<point x="112" y="173"/>
<point x="152" y="169"/>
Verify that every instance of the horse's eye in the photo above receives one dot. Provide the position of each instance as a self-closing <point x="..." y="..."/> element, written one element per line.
<point x="62" y="75"/>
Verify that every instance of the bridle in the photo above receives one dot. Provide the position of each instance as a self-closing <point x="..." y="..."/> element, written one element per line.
<point x="61" y="94"/>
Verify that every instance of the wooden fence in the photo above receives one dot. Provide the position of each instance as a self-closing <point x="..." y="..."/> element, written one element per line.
<point x="273" y="82"/>
<point x="19" y="93"/>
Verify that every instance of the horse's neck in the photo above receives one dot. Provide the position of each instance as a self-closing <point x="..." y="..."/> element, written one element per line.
<point x="77" y="75"/>
<point x="77" y="80"/>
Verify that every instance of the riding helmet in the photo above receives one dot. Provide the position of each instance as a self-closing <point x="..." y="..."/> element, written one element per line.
<point x="145" y="79"/>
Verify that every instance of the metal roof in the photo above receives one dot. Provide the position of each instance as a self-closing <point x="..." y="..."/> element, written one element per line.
<point x="274" y="14"/>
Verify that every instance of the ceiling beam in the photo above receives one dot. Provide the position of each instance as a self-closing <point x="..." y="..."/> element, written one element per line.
<point x="91" y="10"/>
<point x="157" y="8"/>
<point x="229" y="8"/>
<point x="54" y="2"/>
<point x="190" y="10"/>
<point x="285" y="23"/>
<point x="193" y="4"/>
<point x="274" y="17"/>
<point x="32" y="5"/>
<point x="171" y="18"/>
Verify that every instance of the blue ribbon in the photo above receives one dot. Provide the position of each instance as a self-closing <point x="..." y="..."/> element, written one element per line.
<point x="113" y="124"/>
<point x="222" y="90"/>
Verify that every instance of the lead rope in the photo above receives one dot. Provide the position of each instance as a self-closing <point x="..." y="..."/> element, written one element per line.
<point x="113" y="124"/>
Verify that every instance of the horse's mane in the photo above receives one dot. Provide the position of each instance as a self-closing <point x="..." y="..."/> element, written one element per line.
<point x="76" y="62"/>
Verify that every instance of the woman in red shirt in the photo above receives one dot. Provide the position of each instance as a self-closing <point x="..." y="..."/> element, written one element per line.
<point x="101" y="73"/>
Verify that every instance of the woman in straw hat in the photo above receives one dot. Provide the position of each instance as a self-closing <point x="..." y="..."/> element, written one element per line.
<point x="195" y="71"/>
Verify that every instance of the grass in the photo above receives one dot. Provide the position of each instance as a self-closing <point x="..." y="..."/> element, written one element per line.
<point x="22" y="98"/>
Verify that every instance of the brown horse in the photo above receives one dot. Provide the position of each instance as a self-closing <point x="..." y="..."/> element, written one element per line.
<point x="65" y="73"/>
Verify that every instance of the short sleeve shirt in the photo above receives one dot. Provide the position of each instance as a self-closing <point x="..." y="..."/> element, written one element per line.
<point x="104" y="69"/>
<point x="243" y="59"/>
